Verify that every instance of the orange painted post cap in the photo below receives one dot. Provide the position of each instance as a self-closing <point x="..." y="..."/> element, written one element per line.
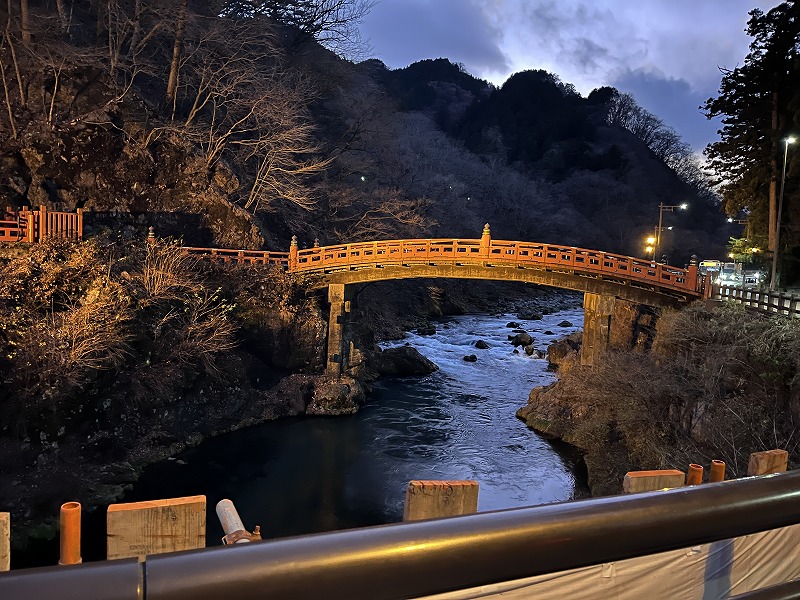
<point x="695" y="475"/>
<point x="70" y="533"/>
<point x="717" y="472"/>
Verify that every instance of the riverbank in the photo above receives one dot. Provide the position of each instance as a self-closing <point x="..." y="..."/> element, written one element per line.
<point x="717" y="384"/>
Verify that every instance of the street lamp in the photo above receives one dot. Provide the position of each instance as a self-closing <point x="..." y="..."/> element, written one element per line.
<point x="650" y="247"/>
<point x="661" y="209"/>
<point x="788" y="140"/>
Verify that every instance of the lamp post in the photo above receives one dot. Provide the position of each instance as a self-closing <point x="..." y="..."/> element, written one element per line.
<point x="788" y="140"/>
<point x="661" y="209"/>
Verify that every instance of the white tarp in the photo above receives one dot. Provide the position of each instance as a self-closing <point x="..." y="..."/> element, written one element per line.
<point x="708" y="572"/>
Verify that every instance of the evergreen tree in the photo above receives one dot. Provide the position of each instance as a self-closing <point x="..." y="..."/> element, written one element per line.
<point x="758" y="102"/>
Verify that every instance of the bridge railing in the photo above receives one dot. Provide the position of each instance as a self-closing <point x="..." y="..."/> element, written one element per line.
<point x="253" y="257"/>
<point x="779" y="302"/>
<point x="494" y="252"/>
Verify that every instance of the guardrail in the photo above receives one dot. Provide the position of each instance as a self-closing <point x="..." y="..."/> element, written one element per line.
<point x="422" y="558"/>
<point x="781" y="303"/>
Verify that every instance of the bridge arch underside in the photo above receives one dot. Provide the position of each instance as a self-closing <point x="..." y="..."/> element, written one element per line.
<point x="593" y="283"/>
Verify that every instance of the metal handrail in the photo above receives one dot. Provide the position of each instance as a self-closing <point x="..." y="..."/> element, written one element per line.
<point x="428" y="557"/>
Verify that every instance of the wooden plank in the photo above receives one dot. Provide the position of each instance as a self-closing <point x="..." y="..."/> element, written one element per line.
<point x="5" y="541"/>
<point x="768" y="461"/>
<point x="156" y="526"/>
<point x="434" y="499"/>
<point x="649" y="481"/>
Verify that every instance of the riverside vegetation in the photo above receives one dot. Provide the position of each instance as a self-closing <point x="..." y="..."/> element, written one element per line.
<point x="717" y="384"/>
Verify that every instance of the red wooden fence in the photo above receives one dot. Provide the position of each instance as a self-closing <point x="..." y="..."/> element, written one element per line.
<point x="31" y="226"/>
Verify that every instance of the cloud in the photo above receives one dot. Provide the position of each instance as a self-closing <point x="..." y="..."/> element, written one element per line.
<point x="673" y="101"/>
<point x="403" y="32"/>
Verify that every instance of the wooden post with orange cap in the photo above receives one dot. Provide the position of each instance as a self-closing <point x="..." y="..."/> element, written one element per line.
<point x="486" y="241"/>
<point x="293" y="254"/>
<point x="70" y="533"/>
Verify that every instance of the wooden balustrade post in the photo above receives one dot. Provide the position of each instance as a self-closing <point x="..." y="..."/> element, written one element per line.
<point x="42" y="223"/>
<point x="30" y="233"/>
<point x="293" y="254"/>
<point x="691" y="274"/>
<point x="486" y="241"/>
<point x="768" y="461"/>
<point x="5" y="541"/>
<point x="80" y="224"/>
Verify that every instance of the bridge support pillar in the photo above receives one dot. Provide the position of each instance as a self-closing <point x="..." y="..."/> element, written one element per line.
<point x="598" y="311"/>
<point x="339" y="297"/>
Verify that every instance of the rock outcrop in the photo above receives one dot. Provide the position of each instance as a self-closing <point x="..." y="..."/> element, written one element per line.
<point x="402" y="361"/>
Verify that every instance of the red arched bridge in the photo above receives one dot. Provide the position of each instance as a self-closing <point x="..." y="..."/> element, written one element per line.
<point x="602" y="276"/>
<point x="635" y="279"/>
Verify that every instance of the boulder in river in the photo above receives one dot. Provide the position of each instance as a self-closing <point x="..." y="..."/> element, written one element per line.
<point x="522" y="339"/>
<point x="565" y="324"/>
<point x="559" y="351"/>
<point x="470" y="358"/>
<point x="530" y="316"/>
<point x="403" y="361"/>
<point x="426" y="329"/>
<point x="336" y="396"/>
<point x="512" y="325"/>
<point x="481" y="345"/>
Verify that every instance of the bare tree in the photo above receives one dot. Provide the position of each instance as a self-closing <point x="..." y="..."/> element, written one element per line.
<point x="237" y="100"/>
<point x="333" y="23"/>
<point x="172" y="81"/>
<point x="25" y="22"/>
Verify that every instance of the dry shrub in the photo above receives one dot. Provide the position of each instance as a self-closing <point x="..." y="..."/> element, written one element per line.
<point x="56" y="353"/>
<point x="718" y="384"/>
<point x="185" y="323"/>
<point x="203" y="330"/>
<point x="51" y="277"/>
<point x="167" y="273"/>
<point x="70" y="311"/>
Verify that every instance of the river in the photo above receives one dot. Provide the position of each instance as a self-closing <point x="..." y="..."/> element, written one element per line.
<point x="304" y="475"/>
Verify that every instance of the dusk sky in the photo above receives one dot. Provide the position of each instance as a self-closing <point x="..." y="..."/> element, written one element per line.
<point x="664" y="52"/>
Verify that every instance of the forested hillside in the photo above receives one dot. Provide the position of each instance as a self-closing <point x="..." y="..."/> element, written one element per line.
<point x="241" y="130"/>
